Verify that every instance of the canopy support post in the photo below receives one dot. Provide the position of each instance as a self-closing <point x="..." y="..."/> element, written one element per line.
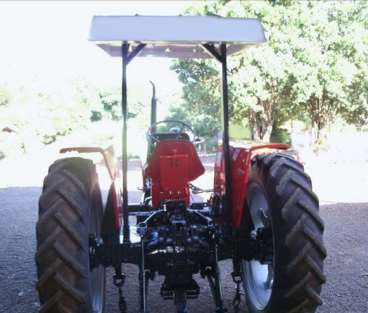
<point x="225" y="140"/>
<point x="221" y="56"/>
<point x="126" y="58"/>
<point x="126" y="230"/>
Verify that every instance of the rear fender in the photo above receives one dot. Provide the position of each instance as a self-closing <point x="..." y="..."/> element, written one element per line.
<point x="107" y="154"/>
<point x="111" y="222"/>
<point x="240" y="166"/>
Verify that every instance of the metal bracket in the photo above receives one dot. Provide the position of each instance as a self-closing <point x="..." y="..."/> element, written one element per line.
<point x="211" y="49"/>
<point x="130" y="56"/>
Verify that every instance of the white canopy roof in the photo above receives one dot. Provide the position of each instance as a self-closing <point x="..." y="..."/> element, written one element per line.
<point x="174" y="36"/>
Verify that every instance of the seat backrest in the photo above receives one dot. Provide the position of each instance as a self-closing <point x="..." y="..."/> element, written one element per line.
<point x="175" y="147"/>
<point x="173" y="171"/>
<point x="172" y="165"/>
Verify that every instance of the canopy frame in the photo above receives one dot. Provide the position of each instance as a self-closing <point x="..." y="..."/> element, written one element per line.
<point x="178" y="37"/>
<point x="175" y="36"/>
<point x="221" y="56"/>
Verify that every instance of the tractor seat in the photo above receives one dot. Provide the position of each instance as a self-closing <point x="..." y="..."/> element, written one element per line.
<point x="172" y="165"/>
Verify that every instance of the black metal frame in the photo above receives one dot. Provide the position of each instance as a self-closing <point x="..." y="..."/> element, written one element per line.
<point x="129" y="252"/>
<point x="126" y="57"/>
<point x="221" y="56"/>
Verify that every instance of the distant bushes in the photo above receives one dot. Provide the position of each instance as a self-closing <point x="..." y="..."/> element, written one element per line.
<point x="280" y="135"/>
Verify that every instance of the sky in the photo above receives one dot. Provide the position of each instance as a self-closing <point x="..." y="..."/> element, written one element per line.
<point x="47" y="42"/>
<point x="44" y="46"/>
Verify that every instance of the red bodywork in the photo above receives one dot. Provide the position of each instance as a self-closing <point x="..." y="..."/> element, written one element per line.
<point x="172" y="165"/>
<point x="175" y="163"/>
<point x="240" y="166"/>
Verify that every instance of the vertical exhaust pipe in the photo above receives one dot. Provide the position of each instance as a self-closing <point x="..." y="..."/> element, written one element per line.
<point x="153" y="117"/>
<point x="153" y="106"/>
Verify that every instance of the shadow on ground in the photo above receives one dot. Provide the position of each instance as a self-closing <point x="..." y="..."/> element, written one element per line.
<point x="346" y="239"/>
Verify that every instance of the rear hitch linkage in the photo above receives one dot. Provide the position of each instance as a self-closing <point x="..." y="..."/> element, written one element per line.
<point x="237" y="298"/>
<point x="119" y="280"/>
<point x="257" y="247"/>
<point x="100" y="254"/>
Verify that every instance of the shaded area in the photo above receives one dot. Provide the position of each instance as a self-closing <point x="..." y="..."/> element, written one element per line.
<point x="346" y="268"/>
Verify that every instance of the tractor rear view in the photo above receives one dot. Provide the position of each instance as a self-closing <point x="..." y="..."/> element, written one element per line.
<point x="262" y="213"/>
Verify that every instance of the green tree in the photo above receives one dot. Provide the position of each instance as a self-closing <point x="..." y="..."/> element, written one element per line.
<point x="4" y="96"/>
<point x="259" y="80"/>
<point x="329" y="49"/>
<point x="201" y="105"/>
<point x="313" y="67"/>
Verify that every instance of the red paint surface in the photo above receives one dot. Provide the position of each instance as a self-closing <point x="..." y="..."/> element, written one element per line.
<point x="240" y="167"/>
<point x="116" y="205"/>
<point x="172" y="165"/>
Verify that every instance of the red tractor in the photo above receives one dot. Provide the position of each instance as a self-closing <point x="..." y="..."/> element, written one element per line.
<point x="262" y="214"/>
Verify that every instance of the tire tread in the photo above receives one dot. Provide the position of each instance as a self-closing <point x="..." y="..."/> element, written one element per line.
<point x="62" y="244"/>
<point x="300" y="229"/>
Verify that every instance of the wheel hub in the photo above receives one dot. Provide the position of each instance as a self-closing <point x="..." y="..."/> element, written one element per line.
<point x="258" y="266"/>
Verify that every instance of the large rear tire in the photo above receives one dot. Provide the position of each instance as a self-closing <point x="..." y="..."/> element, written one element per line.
<point x="280" y="200"/>
<point x="70" y="209"/>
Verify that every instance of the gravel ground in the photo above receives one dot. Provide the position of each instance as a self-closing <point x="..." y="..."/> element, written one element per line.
<point x="346" y="239"/>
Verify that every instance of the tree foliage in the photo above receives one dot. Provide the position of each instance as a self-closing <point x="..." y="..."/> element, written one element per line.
<point x="202" y="100"/>
<point x="313" y="67"/>
<point x="40" y="116"/>
<point x="36" y="115"/>
<point x="4" y="96"/>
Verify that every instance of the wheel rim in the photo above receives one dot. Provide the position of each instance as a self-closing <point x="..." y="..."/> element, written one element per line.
<point x="97" y="275"/>
<point x="258" y="278"/>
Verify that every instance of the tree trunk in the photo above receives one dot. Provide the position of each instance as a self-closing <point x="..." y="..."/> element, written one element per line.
<point x="267" y="134"/>
<point x="263" y="131"/>
<point x="252" y="125"/>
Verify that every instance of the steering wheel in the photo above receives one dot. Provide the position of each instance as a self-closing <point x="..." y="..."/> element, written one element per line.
<point x="179" y="130"/>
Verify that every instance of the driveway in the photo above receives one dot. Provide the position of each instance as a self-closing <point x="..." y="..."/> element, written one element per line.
<point x="346" y="238"/>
